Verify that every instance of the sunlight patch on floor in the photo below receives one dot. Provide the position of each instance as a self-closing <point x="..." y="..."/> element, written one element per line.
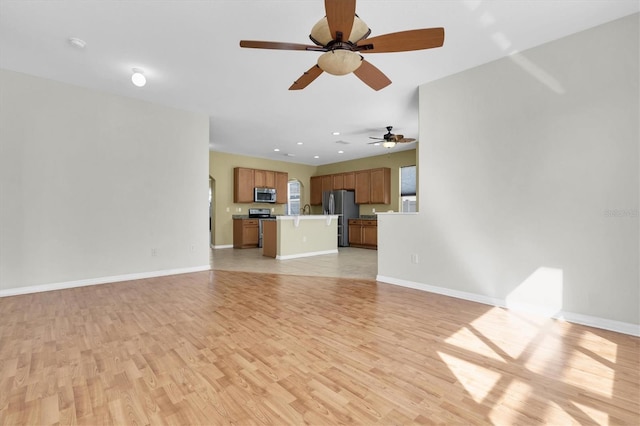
<point x="466" y="339"/>
<point x="477" y="380"/>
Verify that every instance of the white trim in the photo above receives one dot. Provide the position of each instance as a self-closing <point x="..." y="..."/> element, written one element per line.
<point x="588" y="320"/>
<point x="309" y="254"/>
<point x="102" y="280"/>
<point x="224" y="246"/>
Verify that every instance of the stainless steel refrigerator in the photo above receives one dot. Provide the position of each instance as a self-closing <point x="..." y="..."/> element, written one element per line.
<point x="341" y="203"/>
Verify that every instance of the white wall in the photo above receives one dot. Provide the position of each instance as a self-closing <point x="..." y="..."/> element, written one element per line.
<point x="529" y="181"/>
<point x="90" y="183"/>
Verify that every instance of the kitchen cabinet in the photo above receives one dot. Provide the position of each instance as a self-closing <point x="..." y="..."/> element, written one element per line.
<point x="264" y="178"/>
<point x="380" y="182"/>
<point x="327" y="183"/>
<point x="282" y="187"/>
<point x="319" y="184"/>
<point x="243" y="184"/>
<point x="245" y="180"/>
<point x="363" y="233"/>
<point x="245" y="233"/>
<point x="349" y="179"/>
<point x="363" y="186"/>
<point x="316" y="190"/>
<point x="338" y="181"/>
<point x="373" y="186"/>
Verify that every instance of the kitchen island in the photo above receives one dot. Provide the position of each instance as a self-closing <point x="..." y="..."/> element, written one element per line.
<point x="290" y="237"/>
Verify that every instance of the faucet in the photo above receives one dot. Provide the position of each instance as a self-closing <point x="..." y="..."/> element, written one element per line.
<point x="306" y="209"/>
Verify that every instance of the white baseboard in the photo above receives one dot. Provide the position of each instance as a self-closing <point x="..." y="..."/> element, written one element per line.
<point x="102" y="280"/>
<point x="591" y="321"/>
<point x="226" y="246"/>
<point x="309" y="254"/>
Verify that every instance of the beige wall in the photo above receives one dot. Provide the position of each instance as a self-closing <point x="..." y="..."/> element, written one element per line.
<point x="221" y="167"/>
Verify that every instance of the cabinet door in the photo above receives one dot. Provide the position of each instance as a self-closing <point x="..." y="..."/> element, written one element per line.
<point x="269" y="179"/>
<point x="327" y="183"/>
<point x="243" y="185"/>
<point x="380" y="192"/>
<point x="282" y="187"/>
<point x="250" y="235"/>
<point x="349" y="179"/>
<point x="370" y="233"/>
<point x="315" y="185"/>
<point x="338" y="181"/>
<point x="362" y="187"/>
<point x="258" y="178"/>
<point x="355" y="232"/>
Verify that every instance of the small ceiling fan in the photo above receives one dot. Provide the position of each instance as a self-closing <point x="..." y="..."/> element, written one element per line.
<point x="342" y="35"/>
<point x="389" y="140"/>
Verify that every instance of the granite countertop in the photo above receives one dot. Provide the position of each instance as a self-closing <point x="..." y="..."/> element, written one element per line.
<point x="368" y="216"/>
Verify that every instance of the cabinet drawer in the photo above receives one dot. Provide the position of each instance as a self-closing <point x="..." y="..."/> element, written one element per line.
<point x="370" y="222"/>
<point x="246" y="222"/>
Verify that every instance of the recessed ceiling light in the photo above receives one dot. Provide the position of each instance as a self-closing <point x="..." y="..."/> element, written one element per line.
<point x="340" y="152"/>
<point x="316" y="156"/>
<point x="276" y="149"/>
<point x="290" y="155"/>
<point x="299" y="143"/>
<point x="138" y="78"/>
<point x="336" y="133"/>
<point x="77" y="42"/>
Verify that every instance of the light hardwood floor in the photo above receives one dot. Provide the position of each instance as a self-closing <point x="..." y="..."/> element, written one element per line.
<point x="236" y="347"/>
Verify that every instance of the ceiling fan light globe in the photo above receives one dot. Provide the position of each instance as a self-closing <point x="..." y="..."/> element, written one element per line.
<point x="339" y="62"/>
<point x="388" y="144"/>
<point x="321" y="35"/>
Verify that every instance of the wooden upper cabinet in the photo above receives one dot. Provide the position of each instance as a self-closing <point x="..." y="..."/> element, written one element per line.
<point x="258" y="178"/>
<point x="269" y="179"/>
<point x="245" y="179"/>
<point x="338" y="181"/>
<point x="363" y="186"/>
<point x="264" y="178"/>
<point x="380" y="186"/>
<point x="315" y="187"/>
<point x="327" y="183"/>
<point x="243" y="184"/>
<point x="349" y="180"/>
<point x="282" y="187"/>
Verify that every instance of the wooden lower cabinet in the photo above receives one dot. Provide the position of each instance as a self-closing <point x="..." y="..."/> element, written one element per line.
<point x="245" y="233"/>
<point x="363" y="233"/>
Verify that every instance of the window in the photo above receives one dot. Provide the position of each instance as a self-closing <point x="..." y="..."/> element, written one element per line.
<point x="293" y="198"/>
<point x="408" y="189"/>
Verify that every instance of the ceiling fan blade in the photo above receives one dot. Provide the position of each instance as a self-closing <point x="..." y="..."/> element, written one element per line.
<point x="378" y="139"/>
<point x="255" y="44"/>
<point x="306" y="78"/>
<point x="406" y="140"/>
<point x="403" y="41"/>
<point x="372" y="76"/>
<point x="340" y="16"/>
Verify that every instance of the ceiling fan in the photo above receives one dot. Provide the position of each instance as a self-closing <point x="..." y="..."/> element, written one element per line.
<point x="389" y="140"/>
<point x="342" y="36"/>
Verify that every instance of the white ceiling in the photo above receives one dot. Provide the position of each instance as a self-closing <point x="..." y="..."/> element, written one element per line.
<point x="191" y="56"/>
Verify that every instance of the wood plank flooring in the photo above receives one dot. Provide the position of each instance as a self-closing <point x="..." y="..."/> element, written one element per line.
<point x="229" y="347"/>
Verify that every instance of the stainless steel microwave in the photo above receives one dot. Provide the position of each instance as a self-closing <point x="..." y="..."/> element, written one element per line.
<point x="264" y="195"/>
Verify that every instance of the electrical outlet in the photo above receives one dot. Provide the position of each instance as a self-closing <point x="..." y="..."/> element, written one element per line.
<point x="414" y="258"/>
<point x="154" y="252"/>
<point x="228" y="209"/>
